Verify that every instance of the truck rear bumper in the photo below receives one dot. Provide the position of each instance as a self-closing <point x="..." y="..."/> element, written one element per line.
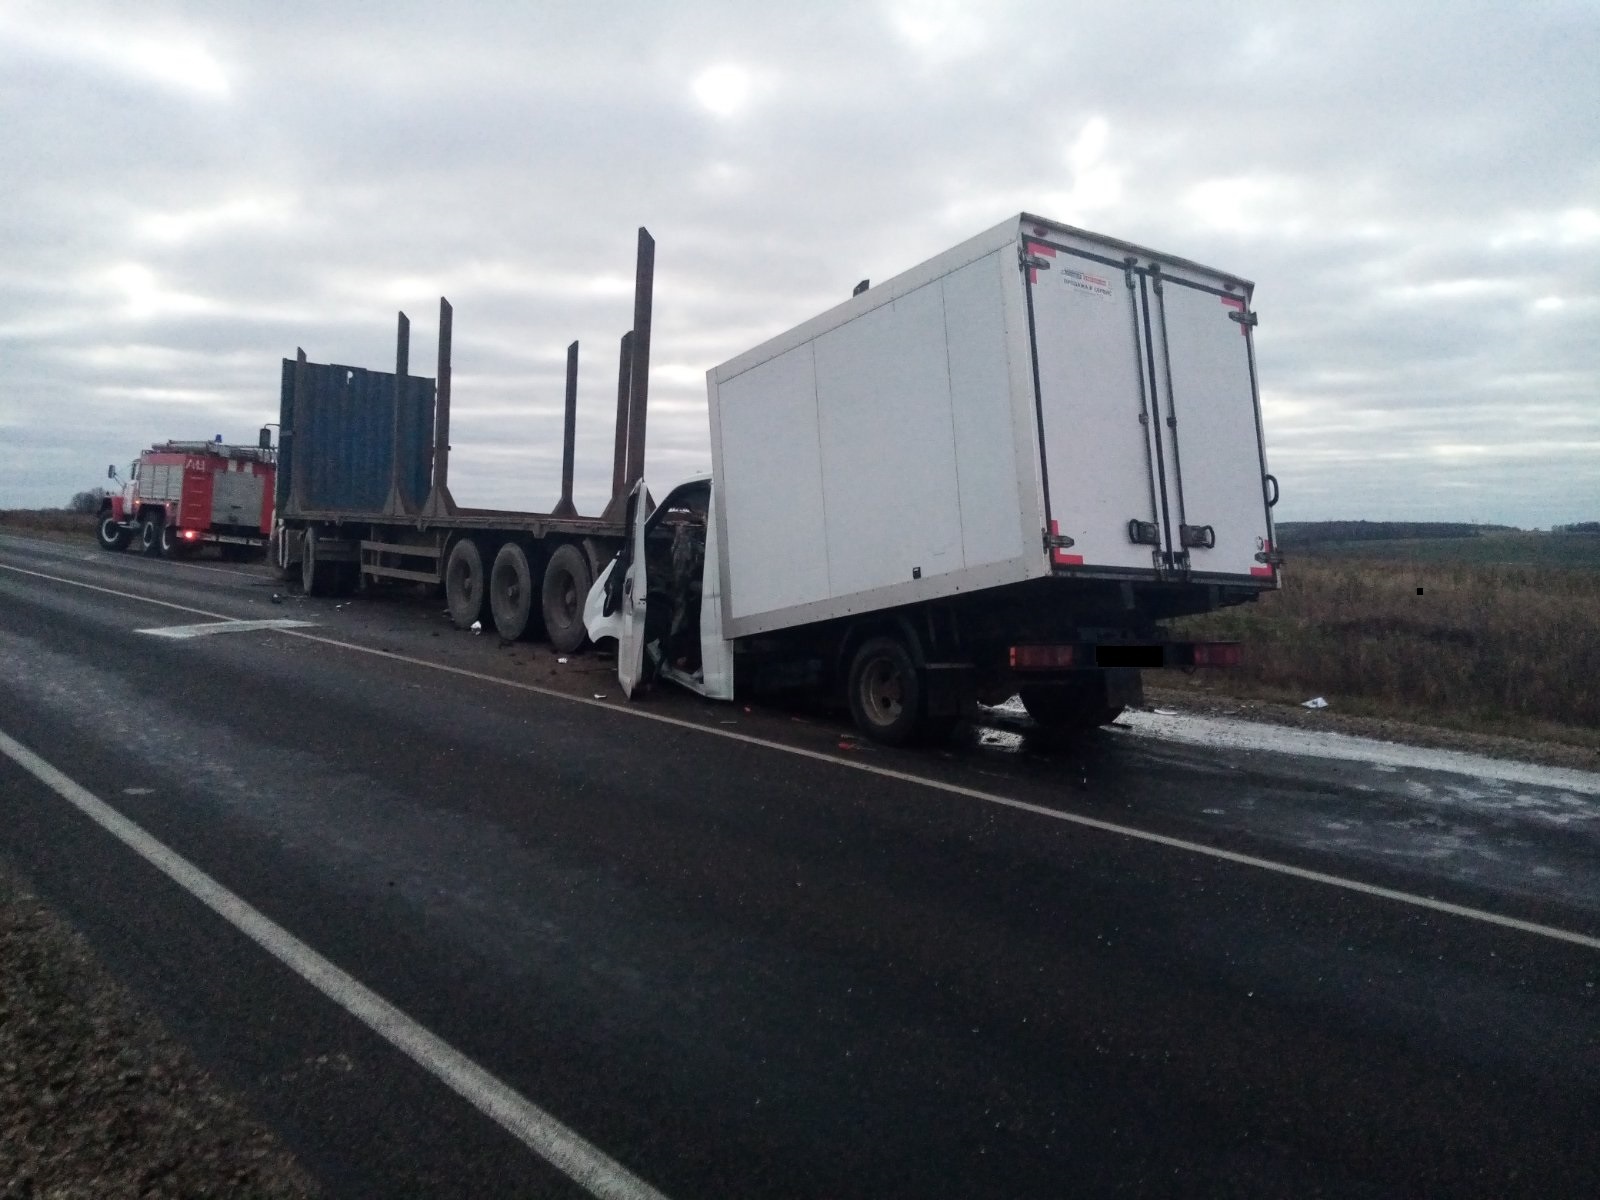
<point x="1077" y="656"/>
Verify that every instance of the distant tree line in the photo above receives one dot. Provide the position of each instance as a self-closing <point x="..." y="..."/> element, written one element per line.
<point x="1578" y="527"/>
<point x="86" y="502"/>
<point x="1311" y="533"/>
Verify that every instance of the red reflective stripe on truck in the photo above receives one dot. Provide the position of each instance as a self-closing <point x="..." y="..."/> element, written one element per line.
<point x="1235" y="302"/>
<point x="1041" y="249"/>
<point x="1060" y="557"/>
<point x="1266" y="572"/>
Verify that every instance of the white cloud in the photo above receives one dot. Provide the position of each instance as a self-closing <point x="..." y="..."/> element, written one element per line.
<point x="722" y="90"/>
<point x="168" y="56"/>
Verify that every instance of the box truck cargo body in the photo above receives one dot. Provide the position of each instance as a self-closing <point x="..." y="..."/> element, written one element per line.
<point x="1012" y="461"/>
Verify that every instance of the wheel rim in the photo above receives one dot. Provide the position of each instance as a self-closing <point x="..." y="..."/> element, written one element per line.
<point x="108" y="530"/>
<point x="883" y="692"/>
<point x="148" y="535"/>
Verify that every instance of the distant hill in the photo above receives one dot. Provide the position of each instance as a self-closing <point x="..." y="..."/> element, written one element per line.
<point x="1571" y="546"/>
<point x="1293" y="535"/>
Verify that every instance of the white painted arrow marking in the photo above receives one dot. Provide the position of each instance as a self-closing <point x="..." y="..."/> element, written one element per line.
<point x="209" y="627"/>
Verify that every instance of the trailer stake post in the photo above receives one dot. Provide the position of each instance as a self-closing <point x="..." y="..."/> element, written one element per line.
<point x="440" y="502"/>
<point x="639" y="368"/>
<point x="298" y="455"/>
<point x="399" y="504"/>
<point x="569" y="437"/>
<point x="619" y="462"/>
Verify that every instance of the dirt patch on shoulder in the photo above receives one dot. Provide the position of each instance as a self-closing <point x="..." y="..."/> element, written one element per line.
<point x="96" y="1100"/>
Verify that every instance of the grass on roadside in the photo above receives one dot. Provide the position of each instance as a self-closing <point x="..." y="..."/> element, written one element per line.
<point x="52" y="522"/>
<point x="1494" y="649"/>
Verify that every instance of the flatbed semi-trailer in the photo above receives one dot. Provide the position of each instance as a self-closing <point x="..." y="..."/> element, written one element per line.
<point x="363" y="489"/>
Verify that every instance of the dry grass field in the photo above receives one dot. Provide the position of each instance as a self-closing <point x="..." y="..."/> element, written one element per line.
<point x="55" y="522"/>
<point x="1482" y="647"/>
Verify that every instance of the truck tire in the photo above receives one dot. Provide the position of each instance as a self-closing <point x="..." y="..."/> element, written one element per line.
<point x="284" y="569"/>
<point x="325" y="577"/>
<point x="511" y="591"/>
<point x="885" y="692"/>
<point x="1067" y="708"/>
<point x="150" y="536"/>
<point x="464" y="582"/>
<point x="566" y="586"/>
<point x="173" y="546"/>
<point x="110" y="534"/>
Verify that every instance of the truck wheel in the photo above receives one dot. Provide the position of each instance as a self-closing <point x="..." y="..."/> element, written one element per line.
<point x="885" y="692"/>
<point x="1067" y="708"/>
<point x="511" y="591"/>
<point x="316" y="578"/>
<point x="150" y="536"/>
<point x="173" y="546"/>
<point x="464" y="583"/>
<point x="283" y="568"/>
<point x="566" y="586"/>
<point x="110" y="534"/>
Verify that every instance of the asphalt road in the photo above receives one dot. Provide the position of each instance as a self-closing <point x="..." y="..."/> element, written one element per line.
<point x="742" y="955"/>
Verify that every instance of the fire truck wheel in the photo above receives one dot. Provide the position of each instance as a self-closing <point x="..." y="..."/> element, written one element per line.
<point x="511" y="592"/>
<point x="110" y="534"/>
<point x="566" y="587"/>
<point x="173" y="545"/>
<point x="150" y="536"/>
<point x="464" y="581"/>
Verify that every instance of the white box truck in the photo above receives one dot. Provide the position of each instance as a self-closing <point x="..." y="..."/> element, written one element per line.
<point x="992" y="475"/>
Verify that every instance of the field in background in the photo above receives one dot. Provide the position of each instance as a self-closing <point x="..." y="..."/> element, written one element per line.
<point x="48" y="521"/>
<point x="1441" y="632"/>
<point x="1501" y="548"/>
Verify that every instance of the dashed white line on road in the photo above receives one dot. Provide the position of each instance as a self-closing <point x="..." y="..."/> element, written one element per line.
<point x="552" y="1141"/>
<point x="207" y="628"/>
<point x="1143" y="835"/>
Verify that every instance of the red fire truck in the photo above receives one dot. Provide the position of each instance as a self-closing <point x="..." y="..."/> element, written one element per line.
<point x="182" y="495"/>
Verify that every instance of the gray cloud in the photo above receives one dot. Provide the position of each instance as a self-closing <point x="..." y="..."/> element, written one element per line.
<point x="195" y="190"/>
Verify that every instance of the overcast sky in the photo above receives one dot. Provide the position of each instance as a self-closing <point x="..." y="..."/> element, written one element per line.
<point x="190" y="191"/>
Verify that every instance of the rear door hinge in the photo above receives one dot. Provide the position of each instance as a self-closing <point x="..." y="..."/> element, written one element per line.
<point x="1034" y="262"/>
<point x="1057" y="541"/>
<point x="1244" y="318"/>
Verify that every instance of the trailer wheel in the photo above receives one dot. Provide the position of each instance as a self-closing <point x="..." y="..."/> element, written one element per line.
<point x="885" y="692"/>
<point x="464" y="583"/>
<point x="317" y="578"/>
<point x="110" y="534"/>
<point x="511" y="591"/>
<point x="566" y="586"/>
<point x="150" y="530"/>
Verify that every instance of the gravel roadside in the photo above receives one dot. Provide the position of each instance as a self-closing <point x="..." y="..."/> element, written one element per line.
<point x="96" y="1099"/>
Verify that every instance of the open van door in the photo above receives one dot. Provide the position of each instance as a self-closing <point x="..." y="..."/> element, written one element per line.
<point x="634" y="588"/>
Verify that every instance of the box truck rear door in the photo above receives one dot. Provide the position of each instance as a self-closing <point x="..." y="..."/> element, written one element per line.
<point x="1205" y="378"/>
<point x="1094" y="405"/>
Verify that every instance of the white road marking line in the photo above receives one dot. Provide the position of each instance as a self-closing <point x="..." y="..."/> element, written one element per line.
<point x="562" y="1148"/>
<point x="956" y="789"/>
<point x="210" y="627"/>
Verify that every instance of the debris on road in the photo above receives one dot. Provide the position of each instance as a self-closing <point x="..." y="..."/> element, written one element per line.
<point x="1314" y="702"/>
